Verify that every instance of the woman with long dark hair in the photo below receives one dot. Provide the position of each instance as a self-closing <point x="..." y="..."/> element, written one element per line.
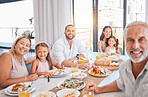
<point x="106" y="33"/>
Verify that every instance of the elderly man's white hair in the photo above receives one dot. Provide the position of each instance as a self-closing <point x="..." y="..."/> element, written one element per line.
<point x="133" y="24"/>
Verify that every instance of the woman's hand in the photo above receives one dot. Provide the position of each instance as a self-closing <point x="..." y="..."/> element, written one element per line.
<point x="32" y="77"/>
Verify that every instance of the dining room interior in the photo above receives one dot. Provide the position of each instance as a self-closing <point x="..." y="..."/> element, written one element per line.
<point x="45" y="20"/>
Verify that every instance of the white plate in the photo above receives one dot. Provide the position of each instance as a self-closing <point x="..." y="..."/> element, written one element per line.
<point x="9" y="88"/>
<point x="81" y="87"/>
<point x="62" y="74"/>
<point x="98" y="75"/>
<point x="64" y="92"/>
<point x="77" y="75"/>
<point x="52" y="93"/>
<point x="13" y="94"/>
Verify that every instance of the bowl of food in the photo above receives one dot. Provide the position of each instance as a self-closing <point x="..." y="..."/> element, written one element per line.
<point x="68" y="93"/>
<point x="71" y="84"/>
<point x="78" y="75"/>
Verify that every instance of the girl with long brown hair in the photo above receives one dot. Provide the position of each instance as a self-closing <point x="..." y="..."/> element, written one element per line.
<point x="43" y="62"/>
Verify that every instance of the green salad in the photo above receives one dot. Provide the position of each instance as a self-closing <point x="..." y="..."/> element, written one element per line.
<point x="72" y="84"/>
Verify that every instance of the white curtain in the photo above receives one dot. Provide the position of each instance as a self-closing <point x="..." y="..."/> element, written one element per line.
<point x="146" y="11"/>
<point x="50" y="19"/>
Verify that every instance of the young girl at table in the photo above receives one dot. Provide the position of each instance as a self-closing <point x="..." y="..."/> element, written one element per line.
<point x="112" y="45"/>
<point x="43" y="62"/>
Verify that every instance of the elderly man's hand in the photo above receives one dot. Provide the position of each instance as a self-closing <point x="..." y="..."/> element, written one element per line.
<point x="83" y="66"/>
<point x="92" y="87"/>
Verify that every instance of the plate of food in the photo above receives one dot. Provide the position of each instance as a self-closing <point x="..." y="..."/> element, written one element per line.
<point x="58" y="72"/>
<point x="83" y="60"/>
<point x="78" y="75"/>
<point x="68" y="93"/>
<point x="113" y="58"/>
<point x="14" y="89"/>
<point x="99" y="71"/>
<point x="71" y="84"/>
<point x="44" y="94"/>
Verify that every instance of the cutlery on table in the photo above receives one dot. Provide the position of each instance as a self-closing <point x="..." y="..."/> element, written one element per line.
<point x="48" y="79"/>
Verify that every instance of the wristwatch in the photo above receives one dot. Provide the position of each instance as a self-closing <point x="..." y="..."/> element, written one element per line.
<point x="77" y="56"/>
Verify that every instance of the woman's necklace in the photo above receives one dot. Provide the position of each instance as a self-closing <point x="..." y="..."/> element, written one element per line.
<point x="18" y="59"/>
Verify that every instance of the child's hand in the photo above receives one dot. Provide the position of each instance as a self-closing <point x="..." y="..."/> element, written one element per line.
<point x="46" y="74"/>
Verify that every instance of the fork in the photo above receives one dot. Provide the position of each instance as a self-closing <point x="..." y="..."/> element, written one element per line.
<point x="48" y="79"/>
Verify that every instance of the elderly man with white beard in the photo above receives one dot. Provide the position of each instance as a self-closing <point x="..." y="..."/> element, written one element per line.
<point x="133" y="74"/>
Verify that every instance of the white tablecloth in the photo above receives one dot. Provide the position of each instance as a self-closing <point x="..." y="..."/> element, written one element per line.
<point x="41" y="83"/>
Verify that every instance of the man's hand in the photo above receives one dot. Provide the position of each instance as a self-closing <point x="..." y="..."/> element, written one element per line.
<point x="83" y="66"/>
<point x="92" y="87"/>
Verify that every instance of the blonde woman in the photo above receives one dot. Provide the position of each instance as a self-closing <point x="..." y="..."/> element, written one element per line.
<point x="13" y="64"/>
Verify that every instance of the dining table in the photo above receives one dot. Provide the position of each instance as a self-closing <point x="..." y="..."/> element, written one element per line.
<point x="43" y="84"/>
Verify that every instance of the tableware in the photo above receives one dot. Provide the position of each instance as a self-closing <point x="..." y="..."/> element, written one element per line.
<point x="78" y="75"/>
<point x="48" y="79"/>
<point x="74" y="69"/>
<point x="64" y="92"/>
<point x="44" y="92"/>
<point x="99" y="75"/>
<point x="26" y="84"/>
<point x="71" y="84"/>
<point x="61" y="73"/>
<point x="97" y="57"/>
<point x="24" y="94"/>
<point x="16" y="94"/>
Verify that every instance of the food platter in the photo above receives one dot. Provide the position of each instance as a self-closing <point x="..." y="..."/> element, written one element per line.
<point x="71" y="84"/>
<point x="65" y="92"/>
<point x="106" y="73"/>
<point x="44" y="94"/>
<point x="78" y="75"/>
<point x="59" y="73"/>
<point x="10" y="92"/>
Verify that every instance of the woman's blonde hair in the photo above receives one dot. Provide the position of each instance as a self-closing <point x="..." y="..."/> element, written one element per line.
<point x="12" y="50"/>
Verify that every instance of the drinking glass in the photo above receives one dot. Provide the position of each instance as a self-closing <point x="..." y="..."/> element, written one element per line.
<point x="97" y="57"/>
<point x="23" y="93"/>
<point x="85" y="93"/>
<point x="74" y="69"/>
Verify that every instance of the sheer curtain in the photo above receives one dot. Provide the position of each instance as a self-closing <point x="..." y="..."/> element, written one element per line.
<point x="50" y="19"/>
<point x="146" y="11"/>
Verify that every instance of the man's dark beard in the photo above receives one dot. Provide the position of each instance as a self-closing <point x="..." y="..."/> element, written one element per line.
<point x="69" y="38"/>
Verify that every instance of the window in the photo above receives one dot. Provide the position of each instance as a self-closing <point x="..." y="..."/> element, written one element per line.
<point x="83" y="16"/>
<point x="135" y="10"/>
<point x="14" y="20"/>
<point x="110" y="12"/>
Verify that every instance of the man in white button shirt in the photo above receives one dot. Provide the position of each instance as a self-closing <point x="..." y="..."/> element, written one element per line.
<point x="133" y="74"/>
<point x="68" y="49"/>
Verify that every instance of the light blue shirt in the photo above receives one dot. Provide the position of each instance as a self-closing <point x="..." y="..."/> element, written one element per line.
<point x="133" y="87"/>
<point x="61" y="50"/>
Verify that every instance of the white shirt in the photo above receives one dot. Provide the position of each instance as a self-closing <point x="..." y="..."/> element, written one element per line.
<point x="133" y="87"/>
<point x="61" y="49"/>
<point x="112" y="51"/>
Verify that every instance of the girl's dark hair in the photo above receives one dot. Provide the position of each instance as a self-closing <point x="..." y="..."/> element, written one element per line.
<point x="116" y="40"/>
<point x="102" y="35"/>
<point x="48" y="55"/>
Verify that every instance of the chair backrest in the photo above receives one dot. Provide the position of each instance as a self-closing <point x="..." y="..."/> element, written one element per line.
<point x="121" y="51"/>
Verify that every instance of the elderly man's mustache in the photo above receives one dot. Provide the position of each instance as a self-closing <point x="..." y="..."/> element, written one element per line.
<point x="135" y="50"/>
